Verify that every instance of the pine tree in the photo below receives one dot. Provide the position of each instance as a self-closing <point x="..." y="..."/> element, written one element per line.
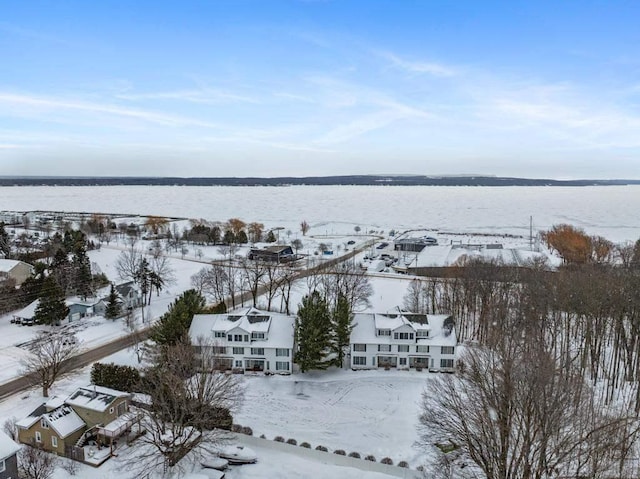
<point x="174" y="324"/>
<point x="5" y="244"/>
<point x="313" y="333"/>
<point x="83" y="281"/>
<point x="52" y="308"/>
<point x="113" y="304"/>
<point x="271" y="238"/>
<point x="342" y="327"/>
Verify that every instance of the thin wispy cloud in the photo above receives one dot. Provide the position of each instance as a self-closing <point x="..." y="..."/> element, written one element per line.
<point x="204" y="96"/>
<point x="418" y="67"/>
<point x="30" y="102"/>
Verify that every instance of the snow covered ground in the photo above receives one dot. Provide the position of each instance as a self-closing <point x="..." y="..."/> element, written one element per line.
<point x="371" y="412"/>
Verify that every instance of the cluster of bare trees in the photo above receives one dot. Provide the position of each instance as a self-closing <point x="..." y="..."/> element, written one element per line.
<point x="589" y="311"/>
<point x="517" y="411"/>
<point x="549" y="384"/>
<point x="230" y="281"/>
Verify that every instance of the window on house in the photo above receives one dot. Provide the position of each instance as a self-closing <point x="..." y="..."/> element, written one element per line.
<point x="110" y="410"/>
<point x="257" y="351"/>
<point x="360" y="347"/>
<point x="422" y="349"/>
<point x="403" y="361"/>
<point x="255" y="335"/>
<point x="410" y="335"/>
<point x="282" y="365"/>
<point x="237" y="337"/>
<point x="384" y="347"/>
<point x="219" y="334"/>
<point x="384" y="332"/>
<point x="446" y="363"/>
<point x="402" y="336"/>
<point x="230" y="338"/>
<point x="246" y="338"/>
<point x="238" y="350"/>
<point x="38" y="436"/>
<point x="219" y="350"/>
<point x="54" y="441"/>
<point x="44" y="424"/>
<point x="360" y="360"/>
<point x="403" y="348"/>
<point x="3" y="466"/>
<point x="282" y="352"/>
<point x="238" y="364"/>
<point x="422" y="333"/>
<point x="446" y="350"/>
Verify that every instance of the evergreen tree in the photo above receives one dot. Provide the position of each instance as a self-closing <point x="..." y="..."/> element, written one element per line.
<point x="52" y="308"/>
<point x="83" y="280"/>
<point x="271" y="238"/>
<point x="342" y="327"/>
<point x="229" y="237"/>
<point x="113" y="304"/>
<point x="174" y="324"/>
<point x="241" y="237"/>
<point x="5" y="244"/>
<point x="313" y="333"/>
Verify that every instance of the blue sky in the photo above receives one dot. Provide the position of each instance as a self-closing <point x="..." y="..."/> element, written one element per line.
<point x="272" y="88"/>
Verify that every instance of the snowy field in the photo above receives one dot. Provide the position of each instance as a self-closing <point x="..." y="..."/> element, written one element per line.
<point x="370" y="412"/>
<point x="605" y="210"/>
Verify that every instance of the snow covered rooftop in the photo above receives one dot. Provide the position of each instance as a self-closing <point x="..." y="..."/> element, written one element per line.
<point x="367" y="324"/>
<point x="8" y="447"/>
<point x="448" y="255"/>
<point x="97" y="398"/>
<point x="64" y="421"/>
<point x="28" y="311"/>
<point x="7" y="265"/>
<point x="278" y="328"/>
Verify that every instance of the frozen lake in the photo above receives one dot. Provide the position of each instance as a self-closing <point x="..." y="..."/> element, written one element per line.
<point x="611" y="211"/>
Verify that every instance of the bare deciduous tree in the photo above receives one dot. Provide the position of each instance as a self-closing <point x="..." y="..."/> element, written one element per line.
<point x="48" y="358"/>
<point x="518" y="412"/>
<point x="35" y="463"/>
<point x="189" y="408"/>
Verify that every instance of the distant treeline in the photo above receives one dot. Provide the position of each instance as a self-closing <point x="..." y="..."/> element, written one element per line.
<point x="408" y="180"/>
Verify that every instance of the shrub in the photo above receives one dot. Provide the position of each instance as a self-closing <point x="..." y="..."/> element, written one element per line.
<point x="321" y="448"/>
<point x="387" y="460"/>
<point x="340" y="452"/>
<point x="420" y="468"/>
<point x="306" y="445"/>
<point x="403" y="464"/>
<point x="262" y="436"/>
<point x="114" y="376"/>
<point x="293" y="442"/>
<point x="370" y="458"/>
<point x="355" y="454"/>
<point x="236" y="428"/>
<point x="278" y="439"/>
<point x="247" y="431"/>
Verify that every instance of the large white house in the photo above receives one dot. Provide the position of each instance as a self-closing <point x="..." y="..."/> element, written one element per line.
<point x="247" y="339"/>
<point x="402" y="340"/>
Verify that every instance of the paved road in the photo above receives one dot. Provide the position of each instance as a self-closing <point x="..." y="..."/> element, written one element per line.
<point x="83" y="359"/>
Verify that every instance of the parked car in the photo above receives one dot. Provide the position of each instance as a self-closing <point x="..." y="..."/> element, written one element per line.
<point x="382" y="245"/>
<point x="351" y="242"/>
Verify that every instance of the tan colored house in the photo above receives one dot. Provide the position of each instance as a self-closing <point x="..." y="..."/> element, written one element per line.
<point x="55" y="431"/>
<point x="18" y="271"/>
<point x="91" y="413"/>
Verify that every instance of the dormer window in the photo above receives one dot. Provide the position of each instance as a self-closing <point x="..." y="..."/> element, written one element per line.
<point x="256" y="335"/>
<point x="219" y="334"/>
<point x="44" y="424"/>
<point x="384" y="332"/>
<point x="422" y="333"/>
